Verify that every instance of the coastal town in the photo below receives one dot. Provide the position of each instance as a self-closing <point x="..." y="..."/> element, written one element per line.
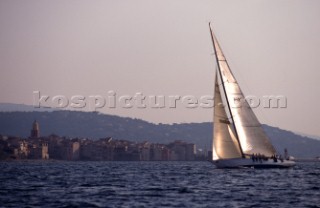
<point x="54" y="147"/>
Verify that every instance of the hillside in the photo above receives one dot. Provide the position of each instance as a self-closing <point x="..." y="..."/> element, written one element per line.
<point x="12" y="107"/>
<point x="95" y="125"/>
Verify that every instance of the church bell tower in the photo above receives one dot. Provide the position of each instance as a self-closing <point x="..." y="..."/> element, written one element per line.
<point x="35" y="132"/>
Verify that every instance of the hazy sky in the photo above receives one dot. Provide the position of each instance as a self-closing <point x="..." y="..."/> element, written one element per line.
<point x="164" y="48"/>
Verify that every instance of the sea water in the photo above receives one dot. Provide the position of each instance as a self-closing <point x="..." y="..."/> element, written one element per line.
<point x="155" y="184"/>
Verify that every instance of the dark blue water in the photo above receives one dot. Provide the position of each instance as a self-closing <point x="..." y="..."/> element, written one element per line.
<point x="155" y="184"/>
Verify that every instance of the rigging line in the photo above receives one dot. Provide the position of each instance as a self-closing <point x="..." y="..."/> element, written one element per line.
<point x="228" y="117"/>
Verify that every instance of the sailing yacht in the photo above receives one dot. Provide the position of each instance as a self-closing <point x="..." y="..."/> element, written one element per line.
<point x="238" y="138"/>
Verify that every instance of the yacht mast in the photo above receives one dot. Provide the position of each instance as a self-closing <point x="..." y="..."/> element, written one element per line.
<point x="224" y="90"/>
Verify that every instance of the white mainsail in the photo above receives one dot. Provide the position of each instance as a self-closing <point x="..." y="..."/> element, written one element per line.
<point x="225" y="144"/>
<point x="249" y="131"/>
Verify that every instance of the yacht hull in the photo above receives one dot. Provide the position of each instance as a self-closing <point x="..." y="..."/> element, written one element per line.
<point x="249" y="163"/>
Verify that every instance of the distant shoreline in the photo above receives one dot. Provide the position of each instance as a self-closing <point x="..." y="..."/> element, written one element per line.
<point x="307" y="160"/>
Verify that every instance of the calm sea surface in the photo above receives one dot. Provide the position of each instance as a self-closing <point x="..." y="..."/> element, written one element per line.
<point x="155" y="184"/>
